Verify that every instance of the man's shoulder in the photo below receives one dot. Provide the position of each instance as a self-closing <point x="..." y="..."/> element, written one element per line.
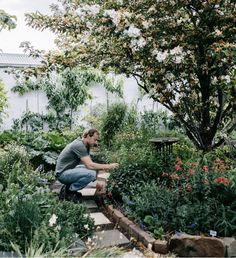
<point x="77" y="143"/>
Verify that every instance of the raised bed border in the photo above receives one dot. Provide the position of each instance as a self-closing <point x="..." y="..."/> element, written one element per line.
<point x="158" y="246"/>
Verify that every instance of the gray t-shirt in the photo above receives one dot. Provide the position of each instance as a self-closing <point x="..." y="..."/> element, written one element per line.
<point x="70" y="156"/>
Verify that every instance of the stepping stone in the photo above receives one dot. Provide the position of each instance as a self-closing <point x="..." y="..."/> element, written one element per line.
<point x="91" y="205"/>
<point x="88" y="193"/>
<point x="94" y="184"/>
<point x="101" y="221"/>
<point x="56" y="185"/>
<point x="108" y="238"/>
<point x="56" y="190"/>
<point x="103" y="176"/>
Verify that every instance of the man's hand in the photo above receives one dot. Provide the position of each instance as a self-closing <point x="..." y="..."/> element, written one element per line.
<point x="114" y="165"/>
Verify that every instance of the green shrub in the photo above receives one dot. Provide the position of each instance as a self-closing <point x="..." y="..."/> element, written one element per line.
<point x="41" y="219"/>
<point x="155" y="200"/>
<point x="15" y="166"/>
<point x="112" y="122"/>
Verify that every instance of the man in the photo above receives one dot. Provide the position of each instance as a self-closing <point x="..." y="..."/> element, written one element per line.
<point x="69" y="170"/>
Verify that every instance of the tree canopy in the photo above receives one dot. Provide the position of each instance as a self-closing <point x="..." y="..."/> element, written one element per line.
<point x="182" y="53"/>
<point x="7" y="21"/>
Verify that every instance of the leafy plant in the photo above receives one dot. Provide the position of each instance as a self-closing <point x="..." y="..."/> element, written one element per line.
<point x="112" y="122"/>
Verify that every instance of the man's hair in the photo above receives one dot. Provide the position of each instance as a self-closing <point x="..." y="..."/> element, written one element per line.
<point x="90" y="132"/>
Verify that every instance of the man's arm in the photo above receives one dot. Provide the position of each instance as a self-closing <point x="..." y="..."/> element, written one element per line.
<point x="96" y="166"/>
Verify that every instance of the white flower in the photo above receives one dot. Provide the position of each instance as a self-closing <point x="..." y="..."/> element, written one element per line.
<point x="136" y="44"/>
<point x="160" y="56"/>
<point x="227" y="79"/>
<point x="176" y="51"/>
<point x="94" y="9"/>
<point x="218" y="32"/>
<point x="40" y="190"/>
<point x="114" y="15"/>
<point x="178" y="59"/>
<point x="132" y="32"/>
<point x="127" y="14"/>
<point x="214" y="80"/>
<point x="86" y="226"/>
<point x="89" y="9"/>
<point x="146" y="24"/>
<point x="52" y="220"/>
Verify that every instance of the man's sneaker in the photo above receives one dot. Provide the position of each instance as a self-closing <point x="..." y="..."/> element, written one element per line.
<point x="66" y="194"/>
<point x="62" y="194"/>
<point x="73" y="195"/>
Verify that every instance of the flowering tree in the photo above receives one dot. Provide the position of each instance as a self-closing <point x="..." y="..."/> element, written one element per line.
<point x="7" y="21"/>
<point x="182" y="53"/>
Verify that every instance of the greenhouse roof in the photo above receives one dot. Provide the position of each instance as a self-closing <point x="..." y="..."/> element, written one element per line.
<point x="17" y="60"/>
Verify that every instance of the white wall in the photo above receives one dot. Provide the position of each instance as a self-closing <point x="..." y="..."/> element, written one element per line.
<point x="34" y="101"/>
<point x="37" y="101"/>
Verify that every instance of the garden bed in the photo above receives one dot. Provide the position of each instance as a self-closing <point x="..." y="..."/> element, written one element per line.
<point x="183" y="245"/>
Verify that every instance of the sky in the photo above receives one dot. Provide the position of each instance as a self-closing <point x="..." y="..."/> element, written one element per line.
<point x="10" y="40"/>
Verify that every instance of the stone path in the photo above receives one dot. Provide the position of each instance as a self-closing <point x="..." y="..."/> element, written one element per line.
<point x="106" y="234"/>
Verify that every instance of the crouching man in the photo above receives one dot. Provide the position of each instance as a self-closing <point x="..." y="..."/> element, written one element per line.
<point x="75" y="168"/>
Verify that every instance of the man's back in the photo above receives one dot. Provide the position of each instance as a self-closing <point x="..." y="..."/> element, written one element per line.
<point x="70" y="156"/>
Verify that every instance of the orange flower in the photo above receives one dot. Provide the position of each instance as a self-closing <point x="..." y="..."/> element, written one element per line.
<point x="221" y="180"/>
<point x="175" y="176"/>
<point x="164" y="174"/>
<point x="189" y="188"/>
<point x="109" y="194"/>
<point x="179" y="161"/>
<point x="191" y="172"/>
<point x="178" y="167"/>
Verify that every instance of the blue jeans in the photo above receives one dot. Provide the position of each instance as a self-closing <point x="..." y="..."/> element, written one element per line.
<point x="77" y="177"/>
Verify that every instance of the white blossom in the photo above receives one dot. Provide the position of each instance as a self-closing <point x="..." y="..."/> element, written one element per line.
<point x="114" y="15"/>
<point x="52" y="220"/>
<point x="146" y="24"/>
<point x="178" y="59"/>
<point x="159" y="55"/>
<point x="127" y="14"/>
<point x="218" y="32"/>
<point x="94" y="9"/>
<point x="214" y="80"/>
<point x="88" y="9"/>
<point x="136" y="44"/>
<point x="176" y="51"/>
<point x="89" y="25"/>
<point x="132" y="32"/>
<point x="86" y="226"/>
<point x="226" y="78"/>
<point x="40" y="190"/>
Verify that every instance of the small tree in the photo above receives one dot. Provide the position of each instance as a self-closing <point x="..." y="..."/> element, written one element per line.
<point x="67" y="90"/>
<point x="182" y="53"/>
